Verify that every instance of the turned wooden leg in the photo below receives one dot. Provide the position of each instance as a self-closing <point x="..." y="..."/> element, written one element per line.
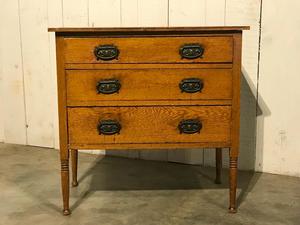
<point x="65" y="185"/>
<point x="232" y="184"/>
<point x="74" y="157"/>
<point x="218" y="165"/>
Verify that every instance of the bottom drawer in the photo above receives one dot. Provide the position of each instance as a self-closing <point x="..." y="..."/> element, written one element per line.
<point x="158" y="124"/>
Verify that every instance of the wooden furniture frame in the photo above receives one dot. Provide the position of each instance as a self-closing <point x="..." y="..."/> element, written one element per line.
<point x="219" y="103"/>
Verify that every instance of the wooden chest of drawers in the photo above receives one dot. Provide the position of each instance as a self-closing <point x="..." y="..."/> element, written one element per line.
<point x="147" y="88"/>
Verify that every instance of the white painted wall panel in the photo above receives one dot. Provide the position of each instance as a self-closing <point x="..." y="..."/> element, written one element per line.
<point x="55" y="19"/>
<point x="13" y="89"/>
<point x="129" y="13"/>
<point x="215" y="12"/>
<point x="279" y="93"/>
<point x="37" y="79"/>
<point x="1" y="82"/>
<point x="247" y="13"/>
<point x="1" y="100"/>
<point x="153" y="13"/>
<point x="75" y="13"/>
<point x="104" y="13"/>
<point x="187" y="13"/>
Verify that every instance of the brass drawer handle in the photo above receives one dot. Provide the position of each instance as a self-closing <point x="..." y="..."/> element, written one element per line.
<point x="190" y="126"/>
<point x="109" y="127"/>
<point x="109" y="86"/>
<point x="106" y="52"/>
<point x="191" y="85"/>
<point x="191" y="51"/>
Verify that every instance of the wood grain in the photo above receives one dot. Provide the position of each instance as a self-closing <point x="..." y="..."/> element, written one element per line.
<point x="91" y="66"/>
<point x="150" y="103"/>
<point x="233" y="161"/>
<point x="151" y="30"/>
<point x="74" y="159"/>
<point x="152" y="147"/>
<point x="235" y="135"/>
<point x="63" y="126"/>
<point x="149" y="49"/>
<point x="149" y="106"/>
<point x="149" y="124"/>
<point x="154" y="84"/>
<point x="234" y="150"/>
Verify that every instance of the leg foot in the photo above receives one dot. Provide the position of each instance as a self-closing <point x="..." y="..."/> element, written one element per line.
<point x="232" y="210"/>
<point x="74" y="157"/>
<point x="232" y="184"/>
<point x="74" y="183"/>
<point x="66" y="212"/>
<point x="218" y="165"/>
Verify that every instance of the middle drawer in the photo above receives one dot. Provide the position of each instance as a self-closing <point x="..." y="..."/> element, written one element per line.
<point x="148" y="84"/>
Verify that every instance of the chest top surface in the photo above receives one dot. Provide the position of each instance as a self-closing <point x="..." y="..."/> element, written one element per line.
<point x="148" y="30"/>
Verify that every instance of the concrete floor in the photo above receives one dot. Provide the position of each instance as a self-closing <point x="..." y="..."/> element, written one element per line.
<point x="119" y="191"/>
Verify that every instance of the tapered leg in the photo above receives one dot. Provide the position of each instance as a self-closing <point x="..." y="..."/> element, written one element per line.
<point x="232" y="184"/>
<point x="74" y="157"/>
<point x="65" y="185"/>
<point x="218" y="165"/>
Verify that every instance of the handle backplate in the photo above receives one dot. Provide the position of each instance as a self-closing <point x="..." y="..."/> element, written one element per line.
<point x="191" y="51"/>
<point x="191" y="85"/>
<point x="109" y="127"/>
<point x="106" y="52"/>
<point x="190" y="126"/>
<point x="109" y="86"/>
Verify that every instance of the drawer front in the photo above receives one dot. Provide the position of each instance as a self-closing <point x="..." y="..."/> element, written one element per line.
<point x="149" y="50"/>
<point x="177" y="124"/>
<point x="151" y="84"/>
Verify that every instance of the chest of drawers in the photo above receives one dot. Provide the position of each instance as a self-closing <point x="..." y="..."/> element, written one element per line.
<point x="148" y="88"/>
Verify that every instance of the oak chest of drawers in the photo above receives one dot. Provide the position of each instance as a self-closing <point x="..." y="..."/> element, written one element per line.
<point x="148" y="88"/>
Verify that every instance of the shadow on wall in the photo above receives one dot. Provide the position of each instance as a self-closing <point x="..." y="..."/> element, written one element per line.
<point x="248" y="118"/>
<point x="252" y="120"/>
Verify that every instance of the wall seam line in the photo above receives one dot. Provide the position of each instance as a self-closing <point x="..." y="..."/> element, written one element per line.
<point x="88" y="12"/>
<point x="258" y="57"/>
<point x="258" y="71"/>
<point x="50" y="70"/>
<point x="62" y="12"/>
<point x="225" y="9"/>
<point x="168" y="16"/>
<point x="23" y="74"/>
<point x="120" y="20"/>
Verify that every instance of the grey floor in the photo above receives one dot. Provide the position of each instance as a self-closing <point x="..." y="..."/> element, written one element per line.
<point x="119" y="191"/>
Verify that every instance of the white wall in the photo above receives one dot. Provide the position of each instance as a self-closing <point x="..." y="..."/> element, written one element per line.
<point x="279" y="93"/>
<point x="28" y="114"/>
<point x="12" y="82"/>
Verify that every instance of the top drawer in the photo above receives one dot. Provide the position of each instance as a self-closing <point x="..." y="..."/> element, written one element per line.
<point x="149" y="50"/>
